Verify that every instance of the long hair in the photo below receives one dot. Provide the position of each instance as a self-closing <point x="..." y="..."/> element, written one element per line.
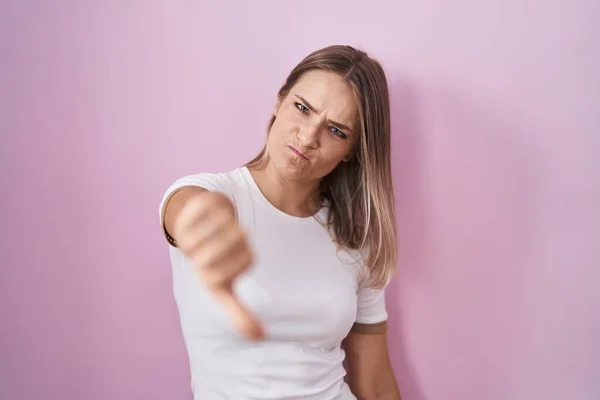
<point x="359" y="192"/>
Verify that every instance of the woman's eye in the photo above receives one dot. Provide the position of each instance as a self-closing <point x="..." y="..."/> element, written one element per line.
<point x="337" y="132"/>
<point x="302" y="108"/>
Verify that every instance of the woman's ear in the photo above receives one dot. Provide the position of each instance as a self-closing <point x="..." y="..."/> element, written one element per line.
<point x="349" y="156"/>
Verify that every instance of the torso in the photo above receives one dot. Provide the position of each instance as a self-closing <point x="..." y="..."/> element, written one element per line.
<point x="302" y="288"/>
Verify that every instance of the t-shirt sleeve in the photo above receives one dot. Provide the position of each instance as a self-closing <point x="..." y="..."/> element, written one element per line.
<point x="216" y="182"/>
<point x="371" y="313"/>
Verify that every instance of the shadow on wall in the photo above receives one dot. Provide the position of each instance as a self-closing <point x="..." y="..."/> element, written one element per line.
<point x="407" y="164"/>
<point x="466" y="185"/>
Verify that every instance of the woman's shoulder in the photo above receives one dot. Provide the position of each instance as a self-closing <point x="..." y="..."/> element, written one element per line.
<point x="226" y="182"/>
<point x="215" y="181"/>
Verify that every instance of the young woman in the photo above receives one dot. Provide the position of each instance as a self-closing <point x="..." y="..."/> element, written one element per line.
<point x="280" y="266"/>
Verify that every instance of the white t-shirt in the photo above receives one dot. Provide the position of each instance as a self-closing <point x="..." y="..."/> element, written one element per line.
<point x="306" y="293"/>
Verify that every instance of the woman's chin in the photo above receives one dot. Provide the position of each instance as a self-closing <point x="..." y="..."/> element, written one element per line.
<point x="289" y="168"/>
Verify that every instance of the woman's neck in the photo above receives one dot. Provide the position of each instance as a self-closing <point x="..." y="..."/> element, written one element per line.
<point x="296" y="198"/>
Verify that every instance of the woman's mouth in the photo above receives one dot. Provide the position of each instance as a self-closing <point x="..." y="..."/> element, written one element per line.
<point x="298" y="153"/>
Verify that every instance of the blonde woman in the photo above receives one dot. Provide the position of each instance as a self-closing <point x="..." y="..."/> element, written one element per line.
<point x="280" y="266"/>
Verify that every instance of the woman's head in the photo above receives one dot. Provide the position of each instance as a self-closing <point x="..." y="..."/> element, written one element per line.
<point x="315" y="126"/>
<point x="331" y="127"/>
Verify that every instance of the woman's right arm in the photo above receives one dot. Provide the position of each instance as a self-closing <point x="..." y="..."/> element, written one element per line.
<point x="173" y="207"/>
<point x="203" y="225"/>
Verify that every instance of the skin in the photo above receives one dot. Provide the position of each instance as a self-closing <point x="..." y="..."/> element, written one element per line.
<point x="314" y="131"/>
<point x="317" y="118"/>
<point x="370" y="373"/>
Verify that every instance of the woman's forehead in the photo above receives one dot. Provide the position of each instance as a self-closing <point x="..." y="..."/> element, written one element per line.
<point x="327" y="92"/>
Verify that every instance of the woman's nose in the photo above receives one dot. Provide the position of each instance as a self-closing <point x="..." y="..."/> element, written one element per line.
<point x="309" y="135"/>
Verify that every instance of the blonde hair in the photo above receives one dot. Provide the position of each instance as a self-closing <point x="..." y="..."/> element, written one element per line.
<point x="359" y="192"/>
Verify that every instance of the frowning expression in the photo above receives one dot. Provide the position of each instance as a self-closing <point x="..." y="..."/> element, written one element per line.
<point x="315" y="128"/>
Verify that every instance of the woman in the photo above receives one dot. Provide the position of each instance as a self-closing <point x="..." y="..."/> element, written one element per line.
<point x="293" y="250"/>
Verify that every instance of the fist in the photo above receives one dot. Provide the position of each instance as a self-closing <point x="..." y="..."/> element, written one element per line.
<point x="208" y="234"/>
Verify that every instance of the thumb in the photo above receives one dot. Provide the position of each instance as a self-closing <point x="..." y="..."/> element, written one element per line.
<point x="245" y="320"/>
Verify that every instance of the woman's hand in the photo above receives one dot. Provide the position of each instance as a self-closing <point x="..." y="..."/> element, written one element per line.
<point x="207" y="232"/>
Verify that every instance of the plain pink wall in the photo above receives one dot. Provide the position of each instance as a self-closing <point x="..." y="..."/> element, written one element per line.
<point x="496" y="135"/>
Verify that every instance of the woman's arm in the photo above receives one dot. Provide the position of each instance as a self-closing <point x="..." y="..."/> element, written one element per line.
<point x="174" y="204"/>
<point x="370" y="373"/>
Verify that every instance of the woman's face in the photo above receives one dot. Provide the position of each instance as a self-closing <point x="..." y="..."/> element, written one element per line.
<point x="315" y="128"/>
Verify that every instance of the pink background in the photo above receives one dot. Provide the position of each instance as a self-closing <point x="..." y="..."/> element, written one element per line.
<point x="496" y="140"/>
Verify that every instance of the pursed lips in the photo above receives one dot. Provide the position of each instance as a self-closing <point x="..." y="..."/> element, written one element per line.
<point x="298" y="152"/>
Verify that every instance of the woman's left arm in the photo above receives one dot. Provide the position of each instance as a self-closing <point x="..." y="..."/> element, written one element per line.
<point x="370" y="374"/>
